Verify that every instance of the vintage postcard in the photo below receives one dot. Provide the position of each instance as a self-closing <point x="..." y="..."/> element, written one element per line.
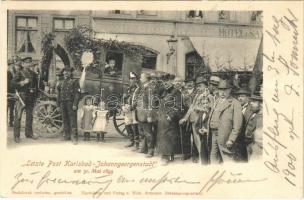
<point x="151" y="99"/>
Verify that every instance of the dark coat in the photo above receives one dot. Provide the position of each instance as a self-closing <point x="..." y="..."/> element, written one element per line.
<point x="143" y="102"/>
<point x="168" y="133"/>
<point x="231" y="120"/>
<point x="29" y="91"/>
<point x="69" y="90"/>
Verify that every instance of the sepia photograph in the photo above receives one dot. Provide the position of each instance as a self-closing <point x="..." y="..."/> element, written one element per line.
<point x="172" y="84"/>
<point x="176" y="100"/>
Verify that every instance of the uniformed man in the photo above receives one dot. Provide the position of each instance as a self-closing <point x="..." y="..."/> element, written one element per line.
<point x="131" y="122"/>
<point x="67" y="100"/>
<point x="26" y="84"/>
<point x="224" y="125"/>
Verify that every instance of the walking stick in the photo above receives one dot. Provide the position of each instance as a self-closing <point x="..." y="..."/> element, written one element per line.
<point x="181" y="133"/>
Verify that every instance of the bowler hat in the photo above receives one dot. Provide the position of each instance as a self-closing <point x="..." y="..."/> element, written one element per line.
<point x="224" y="84"/>
<point x="200" y="79"/>
<point x="243" y="91"/>
<point x="257" y="95"/>
<point x="214" y="80"/>
<point x="27" y="59"/>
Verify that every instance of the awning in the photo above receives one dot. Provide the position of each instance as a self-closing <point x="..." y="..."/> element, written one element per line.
<point x="227" y="53"/>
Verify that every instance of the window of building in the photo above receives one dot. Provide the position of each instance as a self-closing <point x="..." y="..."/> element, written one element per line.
<point x="63" y="24"/>
<point x="26" y="34"/>
<point x="224" y="15"/>
<point x="195" y="14"/>
<point x="256" y="16"/>
<point x="120" y="12"/>
<point x="149" y="60"/>
<point x="147" y="12"/>
<point x="193" y="64"/>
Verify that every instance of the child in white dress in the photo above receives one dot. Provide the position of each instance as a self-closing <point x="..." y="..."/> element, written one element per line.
<point x="100" y="121"/>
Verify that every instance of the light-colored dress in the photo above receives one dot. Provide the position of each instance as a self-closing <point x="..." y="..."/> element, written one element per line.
<point x="100" y="119"/>
<point x="87" y="116"/>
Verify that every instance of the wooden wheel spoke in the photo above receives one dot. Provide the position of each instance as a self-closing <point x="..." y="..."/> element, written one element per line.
<point x="56" y="116"/>
<point x="53" y="112"/>
<point x="120" y="124"/>
<point x="55" y="125"/>
<point x="123" y="130"/>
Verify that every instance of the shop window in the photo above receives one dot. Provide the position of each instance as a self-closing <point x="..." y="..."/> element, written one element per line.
<point x="149" y="60"/>
<point x="62" y="24"/>
<point x="195" y="14"/>
<point x="114" y="61"/>
<point x="193" y="65"/>
<point x="26" y="34"/>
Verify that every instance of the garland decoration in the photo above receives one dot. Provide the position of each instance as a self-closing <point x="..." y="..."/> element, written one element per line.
<point x="82" y="38"/>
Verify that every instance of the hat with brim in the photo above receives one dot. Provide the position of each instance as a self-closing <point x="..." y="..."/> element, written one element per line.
<point x="224" y="84"/>
<point x="256" y="97"/>
<point x="200" y="80"/>
<point x="27" y="59"/>
<point x="214" y="80"/>
<point x="243" y="91"/>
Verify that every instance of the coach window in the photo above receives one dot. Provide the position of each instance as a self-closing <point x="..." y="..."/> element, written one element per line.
<point x="26" y="34"/>
<point x="114" y="61"/>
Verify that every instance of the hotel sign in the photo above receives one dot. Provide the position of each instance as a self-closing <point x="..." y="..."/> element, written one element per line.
<point x="239" y="32"/>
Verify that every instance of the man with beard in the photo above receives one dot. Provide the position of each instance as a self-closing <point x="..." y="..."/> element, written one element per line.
<point x="254" y="128"/>
<point x="240" y="146"/>
<point x="67" y="100"/>
<point x="26" y="83"/>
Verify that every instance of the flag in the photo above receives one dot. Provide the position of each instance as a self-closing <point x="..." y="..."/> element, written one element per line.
<point x="257" y="72"/>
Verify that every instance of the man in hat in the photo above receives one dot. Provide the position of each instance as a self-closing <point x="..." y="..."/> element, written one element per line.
<point x="225" y="122"/>
<point x="212" y="86"/>
<point x="191" y="116"/>
<point x="243" y="95"/>
<point x="254" y="128"/>
<point x="10" y="91"/>
<point x="168" y="132"/>
<point x="131" y="122"/>
<point x="67" y="100"/>
<point x="146" y="114"/>
<point x="26" y="84"/>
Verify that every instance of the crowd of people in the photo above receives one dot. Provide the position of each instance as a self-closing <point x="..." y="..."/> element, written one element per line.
<point x="208" y="120"/>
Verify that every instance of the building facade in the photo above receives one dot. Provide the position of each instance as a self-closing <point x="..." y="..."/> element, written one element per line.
<point x="177" y="41"/>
